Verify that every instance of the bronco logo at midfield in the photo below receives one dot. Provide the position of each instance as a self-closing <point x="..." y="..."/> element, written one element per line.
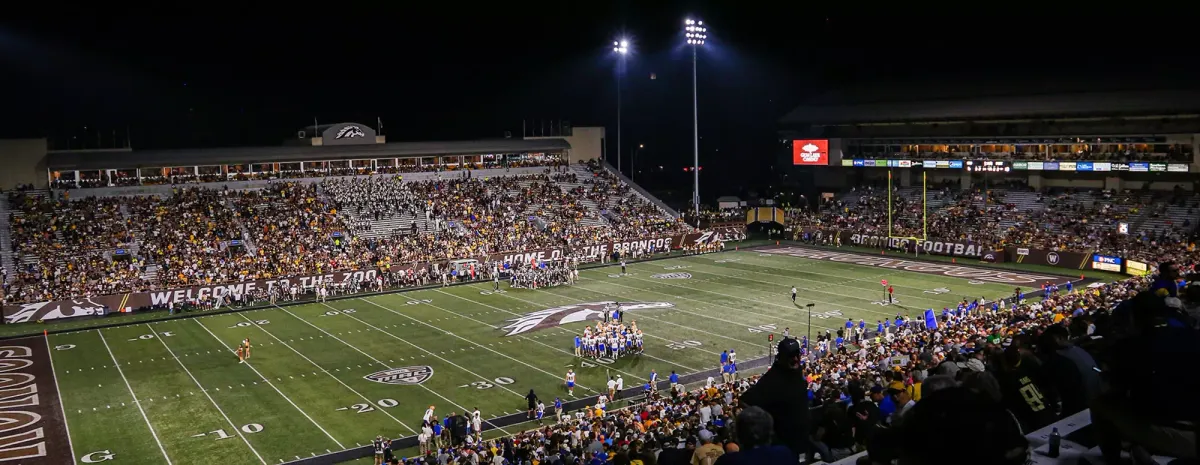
<point x="403" y="375"/>
<point x="559" y="316"/>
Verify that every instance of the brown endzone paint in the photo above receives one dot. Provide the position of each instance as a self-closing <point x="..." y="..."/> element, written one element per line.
<point x="33" y="429"/>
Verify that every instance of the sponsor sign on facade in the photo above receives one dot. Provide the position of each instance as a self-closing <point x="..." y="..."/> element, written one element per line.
<point x="21" y="313"/>
<point x="1059" y="258"/>
<point x="573" y="313"/>
<point x="1106" y="263"/>
<point x="810" y="152"/>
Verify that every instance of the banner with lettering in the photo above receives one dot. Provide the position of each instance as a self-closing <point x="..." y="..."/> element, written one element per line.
<point x="100" y="305"/>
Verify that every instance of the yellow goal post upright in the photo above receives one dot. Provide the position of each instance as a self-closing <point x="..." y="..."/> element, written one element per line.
<point x="924" y="214"/>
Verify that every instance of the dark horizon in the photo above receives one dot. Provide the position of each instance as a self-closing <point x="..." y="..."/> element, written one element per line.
<point x="454" y="75"/>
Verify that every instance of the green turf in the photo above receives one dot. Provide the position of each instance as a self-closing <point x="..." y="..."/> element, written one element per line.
<point x="294" y="398"/>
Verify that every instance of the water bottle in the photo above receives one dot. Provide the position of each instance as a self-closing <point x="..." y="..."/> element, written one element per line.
<point x="1055" y="443"/>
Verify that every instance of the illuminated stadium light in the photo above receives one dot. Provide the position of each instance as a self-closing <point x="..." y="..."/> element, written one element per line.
<point x="695" y="32"/>
<point x="621" y="46"/>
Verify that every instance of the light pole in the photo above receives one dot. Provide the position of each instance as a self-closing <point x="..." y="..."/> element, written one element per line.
<point x="633" y="162"/>
<point x="696" y="33"/>
<point x="621" y="48"/>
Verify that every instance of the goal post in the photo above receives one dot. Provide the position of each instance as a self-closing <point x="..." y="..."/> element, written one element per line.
<point x="924" y="213"/>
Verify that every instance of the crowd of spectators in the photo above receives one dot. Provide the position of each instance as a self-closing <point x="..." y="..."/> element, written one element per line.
<point x="1180" y="153"/>
<point x="1007" y="367"/>
<point x="1066" y="220"/>
<point x="66" y="246"/>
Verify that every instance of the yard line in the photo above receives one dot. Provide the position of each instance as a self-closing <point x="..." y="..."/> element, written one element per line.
<point x="136" y="402"/>
<point x="204" y="391"/>
<point x="823" y="283"/>
<point x="63" y="409"/>
<point x="335" y="378"/>
<point x="767" y="315"/>
<point x="380" y="362"/>
<point x="540" y="342"/>
<point x="850" y="279"/>
<point x="281" y="394"/>
<point x="729" y="296"/>
<point x="481" y="346"/>
<point x="644" y="316"/>
<point x="647" y="317"/>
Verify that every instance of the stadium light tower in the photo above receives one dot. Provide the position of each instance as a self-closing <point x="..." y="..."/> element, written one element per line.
<point x="696" y="33"/>
<point x="621" y="48"/>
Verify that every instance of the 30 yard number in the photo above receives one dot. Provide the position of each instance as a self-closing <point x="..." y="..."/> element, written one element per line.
<point x="503" y="380"/>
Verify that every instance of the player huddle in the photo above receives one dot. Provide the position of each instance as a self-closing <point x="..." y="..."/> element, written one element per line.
<point x="611" y="340"/>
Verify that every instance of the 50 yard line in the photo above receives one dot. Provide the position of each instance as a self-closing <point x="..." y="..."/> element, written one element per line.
<point x="204" y="391"/>
<point x="135" y="398"/>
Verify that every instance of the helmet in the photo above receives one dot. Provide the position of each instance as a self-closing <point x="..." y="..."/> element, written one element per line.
<point x="788" y="347"/>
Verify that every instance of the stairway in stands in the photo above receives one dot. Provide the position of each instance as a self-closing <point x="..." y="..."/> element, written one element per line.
<point x="7" y="256"/>
<point x="583" y="175"/>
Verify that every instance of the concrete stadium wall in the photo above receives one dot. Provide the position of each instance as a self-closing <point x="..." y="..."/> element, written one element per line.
<point x="24" y="162"/>
<point x="587" y="143"/>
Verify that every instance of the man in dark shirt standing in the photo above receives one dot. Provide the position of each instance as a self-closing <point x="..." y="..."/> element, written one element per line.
<point x="1024" y="390"/>
<point x="864" y="414"/>
<point x="776" y="393"/>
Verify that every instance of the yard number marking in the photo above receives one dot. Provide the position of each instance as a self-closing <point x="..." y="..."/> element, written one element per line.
<point x="503" y="380"/>
<point x="364" y="408"/>
<point x="684" y="345"/>
<point x="250" y="428"/>
<point x="938" y="291"/>
<point x="501" y="291"/>
<point x="243" y="324"/>
<point x="147" y="337"/>
<point x="338" y="312"/>
<point x="761" y="328"/>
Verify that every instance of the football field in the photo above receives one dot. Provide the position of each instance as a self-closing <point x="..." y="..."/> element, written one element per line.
<point x="324" y="378"/>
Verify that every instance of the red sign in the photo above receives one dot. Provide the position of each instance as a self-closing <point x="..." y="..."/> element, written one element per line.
<point x="810" y="152"/>
<point x="883" y="282"/>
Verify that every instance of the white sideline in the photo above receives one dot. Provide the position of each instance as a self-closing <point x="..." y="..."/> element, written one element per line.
<point x="236" y="430"/>
<point x="380" y="362"/>
<point x="552" y="375"/>
<point x="335" y="378"/>
<point x="136" y="402"/>
<point x="63" y="408"/>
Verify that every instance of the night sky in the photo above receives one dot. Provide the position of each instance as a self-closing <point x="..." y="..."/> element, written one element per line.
<point x="218" y="77"/>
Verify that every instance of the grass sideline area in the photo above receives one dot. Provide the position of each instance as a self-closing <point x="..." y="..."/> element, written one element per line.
<point x="172" y="388"/>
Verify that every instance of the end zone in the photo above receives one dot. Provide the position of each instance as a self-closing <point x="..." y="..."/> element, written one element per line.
<point x="33" y="425"/>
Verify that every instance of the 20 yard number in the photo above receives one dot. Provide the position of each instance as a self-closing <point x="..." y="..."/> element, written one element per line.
<point x="364" y="408"/>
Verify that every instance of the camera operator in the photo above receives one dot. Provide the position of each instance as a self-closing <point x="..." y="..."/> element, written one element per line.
<point x="780" y="392"/>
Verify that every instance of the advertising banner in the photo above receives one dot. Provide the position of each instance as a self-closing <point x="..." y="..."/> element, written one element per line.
<point x="101" y="305"/>
<point x="810" y="152"/>
<point x="1136" y="268"/>
<point x="1106" y="263"/>
<point x="1064" y="259"/>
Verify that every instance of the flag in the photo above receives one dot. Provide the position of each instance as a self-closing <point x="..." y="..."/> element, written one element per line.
<point x="930" y="319"/>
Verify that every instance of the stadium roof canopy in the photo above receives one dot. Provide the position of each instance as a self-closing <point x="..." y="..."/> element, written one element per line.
<point x="834" y="111"/>
<point x="110" y="159"/>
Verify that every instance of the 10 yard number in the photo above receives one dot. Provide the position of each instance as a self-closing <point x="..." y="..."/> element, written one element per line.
<point x="249" y="428"/>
